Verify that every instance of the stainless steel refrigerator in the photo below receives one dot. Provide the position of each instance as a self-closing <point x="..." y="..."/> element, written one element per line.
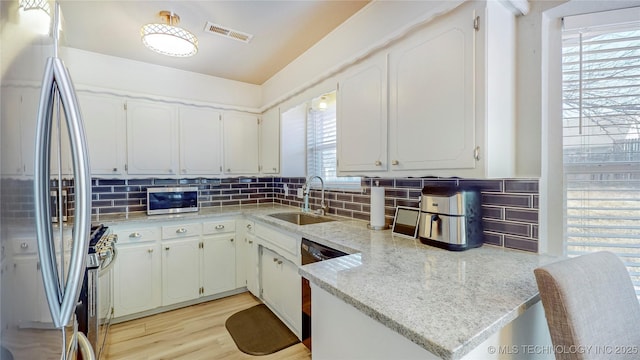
<point x="42" y="264"/>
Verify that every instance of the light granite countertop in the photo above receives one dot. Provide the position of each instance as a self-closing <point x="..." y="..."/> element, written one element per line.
<point x="447" y="302"/>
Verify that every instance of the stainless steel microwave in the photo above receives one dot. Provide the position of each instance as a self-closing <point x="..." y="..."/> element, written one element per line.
<point x="171" y="200"/>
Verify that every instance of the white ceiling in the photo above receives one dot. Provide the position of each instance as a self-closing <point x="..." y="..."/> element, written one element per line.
<point x="282" y="31"/>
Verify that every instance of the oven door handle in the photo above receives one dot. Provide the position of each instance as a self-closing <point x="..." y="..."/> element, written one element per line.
<point x="110" y="264"/>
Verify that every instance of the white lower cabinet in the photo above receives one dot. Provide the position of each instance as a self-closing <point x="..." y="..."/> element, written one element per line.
<point x="137" y="278"/>
<point x="281" y="288"/>
<point x="251" y="264"/>
<point x="218" y="263"/>
<point x="180" y="270"/>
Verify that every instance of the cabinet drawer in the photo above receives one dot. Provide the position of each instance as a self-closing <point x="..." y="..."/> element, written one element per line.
<point x="219" y="227"/>
<point x="137" y="235"/>
<point x="180" y="231"/>
<point x="283" y="240"/>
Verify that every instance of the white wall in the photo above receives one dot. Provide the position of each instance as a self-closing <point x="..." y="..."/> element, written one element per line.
<point x="129" y="76"/>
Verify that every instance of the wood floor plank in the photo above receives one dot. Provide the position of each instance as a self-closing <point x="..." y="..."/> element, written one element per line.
<point x="193" y="333"/>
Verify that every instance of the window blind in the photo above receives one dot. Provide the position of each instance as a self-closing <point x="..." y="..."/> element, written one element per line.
<point x="601" y="140"/>
<point x="322" y="143"/>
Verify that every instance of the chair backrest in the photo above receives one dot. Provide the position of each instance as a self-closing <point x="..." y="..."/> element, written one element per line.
<point x="591" y="308"/>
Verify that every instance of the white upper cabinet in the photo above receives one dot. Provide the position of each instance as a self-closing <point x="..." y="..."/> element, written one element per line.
<point x="432" y="117"/>
<point x="270" y="142"/>
<point x="152" y="138"/>
<point x="19" y="110"/>
<point x="200" y="141"/>
<point x="241" y="143"/>
<point x="362" y="117"/>
<point x="105" y="125"/>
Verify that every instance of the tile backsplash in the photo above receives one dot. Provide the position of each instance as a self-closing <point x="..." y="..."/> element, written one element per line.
<point x="510" y="206"/>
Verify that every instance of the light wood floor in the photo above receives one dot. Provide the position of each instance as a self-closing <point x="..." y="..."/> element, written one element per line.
<point x="195" y="332"/>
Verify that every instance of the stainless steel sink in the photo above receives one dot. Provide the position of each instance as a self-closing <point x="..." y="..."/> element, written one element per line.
<point x="299" y="218"/>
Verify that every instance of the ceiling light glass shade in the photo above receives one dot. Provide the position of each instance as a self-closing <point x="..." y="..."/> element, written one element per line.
<point x="167" y="39"/>
<point x="35" y="15"/>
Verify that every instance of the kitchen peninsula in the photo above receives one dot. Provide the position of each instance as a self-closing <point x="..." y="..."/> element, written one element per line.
<point x="450" y="305"/>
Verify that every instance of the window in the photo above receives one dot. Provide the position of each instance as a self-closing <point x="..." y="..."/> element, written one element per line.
<point x="601" y="135"/>
<point x="322" y="142"/>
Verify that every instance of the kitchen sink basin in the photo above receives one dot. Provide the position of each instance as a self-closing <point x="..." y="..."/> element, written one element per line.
<point x="301" y="218"/>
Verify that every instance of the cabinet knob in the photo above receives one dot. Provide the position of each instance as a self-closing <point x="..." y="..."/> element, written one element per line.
<point x="115" y="170"/>
<point x="228" y="170"/>
<point x="181" y="231"/>
<point x="166" y="248"/>
<point x="249" y="226"/>
<point x="395" y="162"/>
<point x="219" y="227"/>
<point x="275" y="259"/>
<point x="231" y="239"/>
<point x="150" y="250"/>
<point x="170" y="171"/>
<point x="250" y="241"/>
<point x="24" y="245"/>
<point x="378" y="163"/>
<point x="279" y="262"/>
<point x="274" y="169"/>
<point x="135" y="235"/>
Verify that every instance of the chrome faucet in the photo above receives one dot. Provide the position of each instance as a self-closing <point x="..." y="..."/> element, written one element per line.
<point x="306" y="189"/>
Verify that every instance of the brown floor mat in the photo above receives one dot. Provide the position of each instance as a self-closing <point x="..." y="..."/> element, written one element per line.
<point x="257" y="331"/>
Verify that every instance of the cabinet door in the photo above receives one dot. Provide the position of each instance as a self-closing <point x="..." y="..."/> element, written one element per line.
<point x="270" y="142"/>
<point x="152" y="138"/>
<point x="240" y="143"/>
<point x="218" y="263"/>
<point x="105" y="124"/>
<point x="432" y="118"/>
<point x="180" y="270"/>
<point x="362" y="118"/>
<point x="251" y="264"/>
<point x="291" y="293"/>
<point x="12" y="117"/>
<point x="26" y="299"/>
<point x="200" y="141"/>
<point x="269" y="278"/>
<point x="137" y="279"/>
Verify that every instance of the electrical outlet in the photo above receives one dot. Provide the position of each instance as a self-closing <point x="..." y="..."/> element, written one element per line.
<point x="300" y="195"/>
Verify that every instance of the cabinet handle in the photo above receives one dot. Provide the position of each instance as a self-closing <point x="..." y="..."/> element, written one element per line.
<point x="166" y="248"/>
<point x="378" y="163"/>
<point x="395" y="162"/>
<point x="249" y="226"/>
<point x="181" y="231"/>
<point x="135" y="235"/>
<point x="279" y="262"/>
<point x="24" y="245"/>
<point x="274" y="169"/>
<point x="150" y="250"/>
<point x="476" y="153"/>
<point x="219" y="227"/>
<point x="250" y="241"/>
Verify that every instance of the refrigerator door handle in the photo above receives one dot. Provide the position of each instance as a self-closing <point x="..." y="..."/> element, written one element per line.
<point x="62" y="300"/>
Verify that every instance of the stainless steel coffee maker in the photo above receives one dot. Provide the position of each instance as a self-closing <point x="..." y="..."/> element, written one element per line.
<point x="451" y="217"/>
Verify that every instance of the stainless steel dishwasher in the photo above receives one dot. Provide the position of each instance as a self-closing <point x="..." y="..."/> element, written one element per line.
<point x="312" y="252"/>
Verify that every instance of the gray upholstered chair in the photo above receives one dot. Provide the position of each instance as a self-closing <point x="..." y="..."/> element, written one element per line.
<point x="591" y="308"/>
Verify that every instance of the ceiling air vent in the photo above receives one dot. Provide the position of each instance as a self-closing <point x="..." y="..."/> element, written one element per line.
<point x="226" y="32"/>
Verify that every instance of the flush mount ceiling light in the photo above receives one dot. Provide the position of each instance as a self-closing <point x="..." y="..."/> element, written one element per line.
<point x="169" y="39"/>
<point x="35" y="15"/>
